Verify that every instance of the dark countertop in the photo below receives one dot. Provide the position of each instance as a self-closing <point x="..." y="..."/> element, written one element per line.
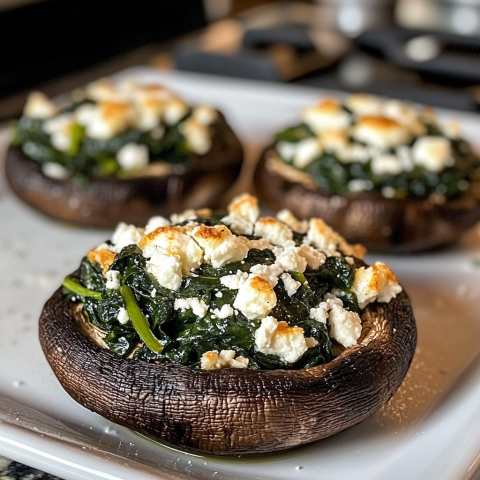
<point x="10" y="470"/>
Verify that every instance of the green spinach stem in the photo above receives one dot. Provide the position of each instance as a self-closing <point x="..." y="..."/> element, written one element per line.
<point x="300" y="277"/>
<point x="74" y="286"/>
<point x="139" y="321"/>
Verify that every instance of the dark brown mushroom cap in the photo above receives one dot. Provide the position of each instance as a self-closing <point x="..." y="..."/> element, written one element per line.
<point x="232" y="411"/>
<point x="104" y="202"/>
<point x="381" y="224"/>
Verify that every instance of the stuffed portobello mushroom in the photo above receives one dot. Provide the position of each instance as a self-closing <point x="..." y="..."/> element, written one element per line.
<point x="379" y="171"/>
<point x="121" y="151"/>
<point x="230" y="334"/>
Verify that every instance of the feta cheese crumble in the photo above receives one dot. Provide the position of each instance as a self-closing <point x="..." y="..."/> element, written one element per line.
<point x="224" y="312"/>
<point x="255" y="298"/>
<point x="125" y="235"/>
<point x="274" y="231"/>
<point x="375" y="283"/>
<point x="277" y="338"/>
<point x="213" y="360"/>
<point x="197" y="305"/>
<point x="122" y="316"/>
<point x="133" y="156"/>
<point x="234" y="282"/>
<point x="113" y="279"/>
<point x="219" y="244"/>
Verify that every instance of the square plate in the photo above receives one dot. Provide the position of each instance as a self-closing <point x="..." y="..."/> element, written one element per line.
<point x="429" y="430"/>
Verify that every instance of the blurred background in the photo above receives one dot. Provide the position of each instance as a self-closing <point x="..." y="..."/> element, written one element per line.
<point x="422" y="50"/>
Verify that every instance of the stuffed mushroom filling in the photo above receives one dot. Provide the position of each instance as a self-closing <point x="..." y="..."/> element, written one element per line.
<point x="236" y="291"/>
<point x="114" y="130"/>
<point x="373" y="144"/>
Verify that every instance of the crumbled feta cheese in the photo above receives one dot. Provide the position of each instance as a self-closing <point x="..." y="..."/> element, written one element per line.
<point x="404" y="155"/>
<point x="197" y="305"/>
<point x="246" y="206"/>
<point x="345" y="326"/>
<point x="274" y="231"/>
<point x="405" y="114"/>
<point x="239" y="362"/>
<point x="175" y="110"/>
<point x="363" y="104"/>
<point x="122" y="316"/>
<point x="381" y="132"/>
<point x="133" y="155"/>
<point x="219" y="294"/>
<point x="153" y="293"/>
<point x="177" y="218"/>
<point x="149" y="113"/>
<point x="335" y="141"/>
<point x="173" y="241"/>
<point x="291" y="285"/>
<point x="375" y="283"/>
<point x="386" y="164"/>
<point x="113" y="279"/>
<point x="110" y="119"/>
<point x="289" y="259"/>
<point x="156" y="222"/>
<point x="39" y="106"/>
<point x="289" y="219"/>
<point x="306" y="151"/>
<point x="311" y="342"/>
<point x="359" y="185"/>
<point x="328" y="115"/>
<point x="145" y="92"/>
<point x="60" y="130"/>
<point x="355" y="153"/>
<point x="268" y="272"/>
<point x="167" y="269"/>
<point x="323" y="237"/>
<point x="238" y="224"/>
<point x="125" y="235"/>
<point x="320" y="313"/>
<point x="85" y="114"/>
<point x="313" y="257"/>
<point x="224" y="312"/>
<point x="255" y="298"/>
<point x="452" y="130"/>
<point x="277" y="338"/>
<point x="204" y="114"/>
<point x="432" y="153"/>
<point x="55" y="171"/>
<point x="388" y="192"/>
<point x="102" y="257"/>
<point x="286" y="150"/>
<point x="197" y="135"/>
<point x="235" y="281"/>
<point x="331" y="299"/>
<point x="103" y="90"/>
<point x="219" y="244"/>
<point x="225" y="359"/>
<point x="261" y="244"/>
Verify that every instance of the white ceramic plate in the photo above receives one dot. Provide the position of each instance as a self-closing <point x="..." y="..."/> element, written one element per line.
<point x="429" y="430"/>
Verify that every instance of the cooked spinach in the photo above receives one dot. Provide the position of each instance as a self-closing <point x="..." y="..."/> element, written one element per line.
<point x="333" y="176"/>
<point x="87" y="157"/>
<point x="176" y="336"/>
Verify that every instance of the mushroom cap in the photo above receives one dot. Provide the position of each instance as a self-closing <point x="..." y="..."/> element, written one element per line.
<point x="161" y="189"/>
<point x="231" y="411"/>
<point x="381" y="224"/>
